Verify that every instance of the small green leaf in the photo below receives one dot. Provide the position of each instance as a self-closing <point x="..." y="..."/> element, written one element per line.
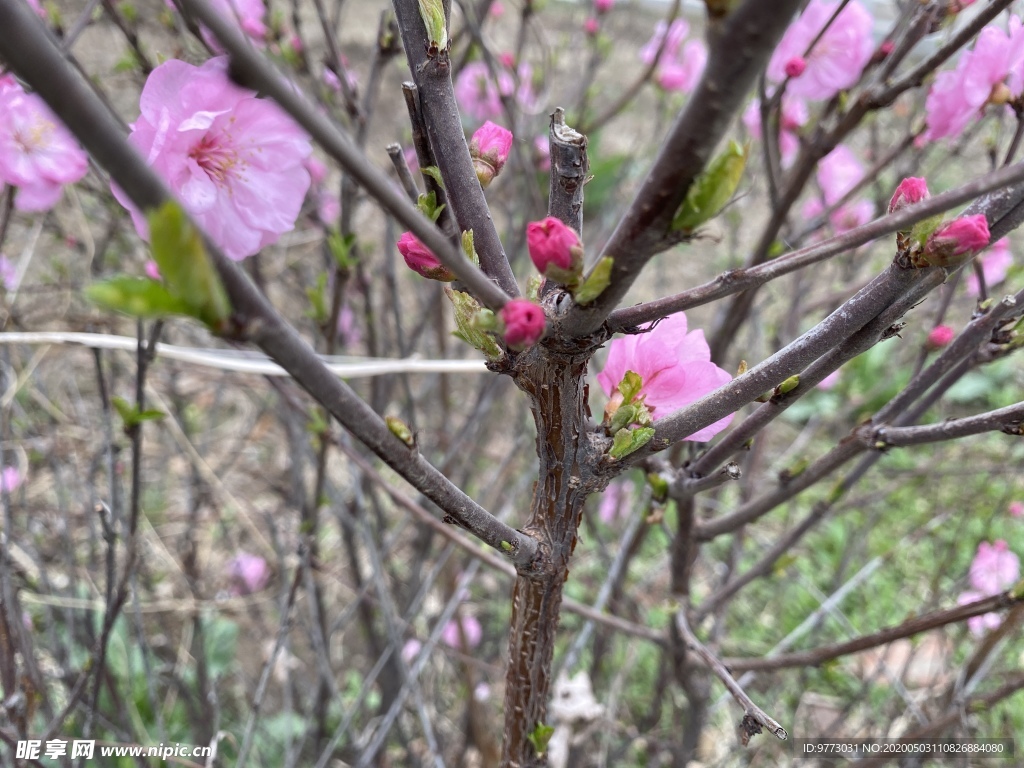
<point x="624" y="416"/>
<point x="432" y="13"/>
<point x="469" y="317"/>
<point x="468" y="248"/>
<point x="130" y="413"/>
<point x="317" y="296"/>
<point x="540" y="737"/>
<point x="788" y="385"/>
<point x="179" y="252"/>
<point x="435" y="173"/>
<point x="659" y="486"/>
<point x="923" y="229"/>
<point x="595" y="282"/>
<point x="136" y="296"/>
<point x="626" y="441"/>
<point x="630" y="386"/>
<point x="341" y="249"/>
<point x="712" y="189"/>
<point x="427" y="203"/>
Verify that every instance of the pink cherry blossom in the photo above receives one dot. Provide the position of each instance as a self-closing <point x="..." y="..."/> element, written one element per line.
<point x="36" y="6"/>
<point x="958" y="96"/>
<point x="837" y="59"/>
<point x="489" y="148"/>
<point x="911" y="190"/>
<point x="794" y="117"/>
<point x="247" y="13"/>
<point x="479" y="95"/>
<point x="10" y="479"/>
<point x="591" y="26"/>
<point x="1016" y="509"/>
<point x="248" y="573"/>
<point x="152" y="270"/>
<point x="236" y="162"/>
<point x="995" y="568"/>
<point x="8" y="274"/>
<point x="830" y="381"/>
<point x="959" y="236"/>
<point x="675" y="368"/>
<point x="553" y="244"/>
<point x="421" y="259"/>
<point x="38" y="155"/>
<point x="940" y="336"/>
<point x="471" y="630"/>
<point x="411" y="650"/>
<point x="542" y="152"/>
<point x="838" y="173"/>
<point x="524" y="323"/>
<point x="603" y="6"/>
<point x="349" y="333"/>
<point x="995" y="264"/>
<point x="978" y="625"/>
<point x="680" y="66"/>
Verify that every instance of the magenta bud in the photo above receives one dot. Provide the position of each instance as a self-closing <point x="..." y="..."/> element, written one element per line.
<point x="555" y="249"/>
<point x="489" y="148"/>
<point x="603" y="6"/>
<point x="940" y="336"/>
<point x="524" y="323"/>
<point x="911" y="190"/>
<point x="957" y="238"/>
<point x="421" y="259"/>
<point x="796" y="66"/>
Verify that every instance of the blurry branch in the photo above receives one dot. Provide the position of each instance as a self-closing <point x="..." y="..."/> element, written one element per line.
<point x="239" y="361"/>
<point x="737" y="56"/>
<point x="909" y="628"/>
<point x="1007" y="420"/>
<point x="253" y="70"/>
<point x="29" y="49"/>
<point x="753" y="716"/>
<point x="737" y="280"/>
<point x="432" y="75"/>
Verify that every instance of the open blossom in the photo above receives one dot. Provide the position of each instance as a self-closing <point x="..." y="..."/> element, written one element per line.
<point x="838" y="173"/>
<point x="38" y="155"/>
<point x="489" y="148"/>
<point x="675" y="368"/>
<point x="249" y="15"/>
<point x="479" y="95"/>
<point x="911" y="190"/>
<point x="680" y="65"/>
<point x="524" y="323"/>
<point x="248" y="573"/>
<point x="421" y="259"/>
<point x="993" y="71"/>
<point x="963" y="235"/>
<point x="236" y="162"/>
<point x="995" y="264"/>
<point x="555" y="249"/>
<point x="837" y="59"/>
<point x="793" y="118"/>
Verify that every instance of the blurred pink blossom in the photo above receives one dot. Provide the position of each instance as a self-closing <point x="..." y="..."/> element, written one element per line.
<point x="1016" y="509"/>
<point x="591" y="26"/>
<point x="36" y="6"/>
<point x="680" y="66"/>
<point x="236" y="162"/>
<point x="248" y="573"/>
<point x="542" y="147"/>
<point x="675" y="367"/>
<point x="838" y="173"/>
<point x="479" y="95"/>
<point x="958" y="96"/>
<point x="8" y="274"/>
<point x="837" y="59"/>
<point x="38" y="155"/>
<point x="829" y="381"/>
<point x="615" y="502"/>
<point x="349" y="333"/>
<point x="940" y="336"/>
<point x="995" y="264"/>
<point x="249" y="15"/>
<point x="452" y="637"/>
<point x="411" y="650"/>
<point x="152" y="270"/>
<point x="10" y="479"/>
<point x="603" y="6"/>
<point x="331" y="79"/>
<point x="793" y="118"/>
<point x="978" y="625"/>
<point x="995" y="568"/>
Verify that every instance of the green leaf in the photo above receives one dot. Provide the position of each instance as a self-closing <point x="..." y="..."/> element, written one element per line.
<point x="435" y="173"/>
<point x="178" y="251"/>
<point x="596" y="281"/>
<point x="788" y="385"/>
<point x="427" y="203"/>
<point x="131" y="415"/>
<point x="712" y="189"/>
<point x="630" y="386"/>
<point x="924" y="229"/>
<point x="432" y="13"/>
<point x="626" y="441"/>
<point x="540" y="737"/>
<point x="341" y="249"/>
<point x="400" y="430"/>
<point x="469" y="248"/>
<point x="469" y="317"/>
<point x="136" y="296"/>
<point x="317" y="296"/>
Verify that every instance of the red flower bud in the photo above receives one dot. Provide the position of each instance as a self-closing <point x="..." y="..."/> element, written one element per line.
<point x="421" y="259"/>
<point x="555" y="250"/>
<point x="489" y="148"/>
<point x="795" y="66"/>
<point x="524" y="323"/>
<point x="911" y="190"/>
<point x="940" y="336"/>
<point x="960" y="236"/>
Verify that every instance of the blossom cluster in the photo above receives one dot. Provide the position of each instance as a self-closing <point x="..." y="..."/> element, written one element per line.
<point x="994" y="569"/>
<point x="680" y="63"/>
<point x="38" y="155"/>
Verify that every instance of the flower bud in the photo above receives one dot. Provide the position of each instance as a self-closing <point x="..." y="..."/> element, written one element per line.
<point x="524" y="323"/>
<point x="940" y="336"/>
<point x="957" y="238"/>
<point x="911" y="190"/>
<point x="555" y="250"/>
<point x="796" y="66"/>
<point x="421" y="259"/>
<point x="603" y="6"/>
<point x="489" y="148"/>
<point x="591" y="27"/>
